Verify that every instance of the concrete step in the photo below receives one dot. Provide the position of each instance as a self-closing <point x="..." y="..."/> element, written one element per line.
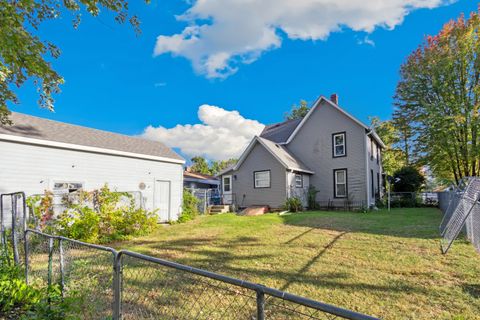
<point x="216" y="209"/>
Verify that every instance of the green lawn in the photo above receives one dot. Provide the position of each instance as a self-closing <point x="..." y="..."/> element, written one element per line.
<point x="384" y="264"/>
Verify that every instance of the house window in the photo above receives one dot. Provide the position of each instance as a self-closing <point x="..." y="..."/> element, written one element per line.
<point x="340" y="183"/>
<point x="372" y="183"/>
<point x="261" y="179"/>
<point x="339" y="144"/>
<point x="67" y="186"/>
<point x="378" y="154"/>
<point x="298" y="180"/>
<point x="372" y="144"/>
<point x="378" y="183"/>
<point x="227" y="184"/>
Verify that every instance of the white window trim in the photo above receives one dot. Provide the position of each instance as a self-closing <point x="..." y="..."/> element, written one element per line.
<point x="344" y="183"/>
<point x="296" y="181"/>
<point x="255" y="180"/>
<point x="229" y="184"/>
<point x="335" y="145"/>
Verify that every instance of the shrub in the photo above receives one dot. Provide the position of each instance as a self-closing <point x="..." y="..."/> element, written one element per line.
<point x="293" y="204"/>
<point x="189" y="207"/>
<point x="22" y="301"/>
<point x="41" y="208"/>
<point x="312" y="198"/>
<point x="80" y="223"/>
<point x="103" y="216"/>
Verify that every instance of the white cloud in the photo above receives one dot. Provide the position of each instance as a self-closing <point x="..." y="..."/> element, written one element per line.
<point x="366" y="40"/>
<point x="222" y="134"/>
<point x="159" y="84"/>
<point x="223" y="34"/>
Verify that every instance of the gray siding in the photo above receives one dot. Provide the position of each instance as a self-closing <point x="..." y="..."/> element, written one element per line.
<point x="260" y="159"/>
<point x="313" y="146"/>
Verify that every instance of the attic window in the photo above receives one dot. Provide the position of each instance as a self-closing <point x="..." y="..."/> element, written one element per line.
<point x="339" y="144"/>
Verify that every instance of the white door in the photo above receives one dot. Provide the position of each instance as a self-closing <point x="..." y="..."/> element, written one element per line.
<point x="161" y="200"/>
<point x="227" y="190"/>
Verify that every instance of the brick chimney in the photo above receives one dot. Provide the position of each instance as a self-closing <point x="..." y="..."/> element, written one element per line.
<point x="334" y="98"/>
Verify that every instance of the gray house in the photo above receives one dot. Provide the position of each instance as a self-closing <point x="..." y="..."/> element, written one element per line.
<point x="328" y="149"/>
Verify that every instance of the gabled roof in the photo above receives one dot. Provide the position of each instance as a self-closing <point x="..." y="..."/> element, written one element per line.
<point x="334" y="105"/>
<point x="279" y="132"/>
<point x="278" y="152"/>
<point x="40" y="131"/>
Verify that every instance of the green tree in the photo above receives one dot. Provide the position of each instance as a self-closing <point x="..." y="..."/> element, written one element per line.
<point x="393" y="156"/>
<point x="298" y="111"/>
<point x="438" y="100"/>
<point x="407" y="179"/>
<point x="217" y="166"/>
<point x="200" y="165"/>
<point x="24" y="55"/>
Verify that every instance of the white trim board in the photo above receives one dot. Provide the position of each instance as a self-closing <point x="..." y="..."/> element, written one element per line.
<point x="76" y="147"/>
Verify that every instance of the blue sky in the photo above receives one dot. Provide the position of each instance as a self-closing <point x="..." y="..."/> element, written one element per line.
<point x="115" y="83"/>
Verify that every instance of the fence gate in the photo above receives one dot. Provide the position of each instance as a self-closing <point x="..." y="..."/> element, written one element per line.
<point x="462" y="213"/>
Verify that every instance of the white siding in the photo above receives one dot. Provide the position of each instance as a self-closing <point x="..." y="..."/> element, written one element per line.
<point x="33" y="169"/>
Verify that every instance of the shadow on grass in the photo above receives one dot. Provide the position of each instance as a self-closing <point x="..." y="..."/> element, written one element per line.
<point x="419" y="223"/>
<point x="472" y="289"/>
<point x="223" y="257"/>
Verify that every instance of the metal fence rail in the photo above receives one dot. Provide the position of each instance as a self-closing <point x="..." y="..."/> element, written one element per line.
<point x="127" y="285"/>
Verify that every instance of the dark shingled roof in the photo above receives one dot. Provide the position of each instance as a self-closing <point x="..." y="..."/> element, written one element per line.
<point x="49" y="130"/>
<point x="279" y="132"/>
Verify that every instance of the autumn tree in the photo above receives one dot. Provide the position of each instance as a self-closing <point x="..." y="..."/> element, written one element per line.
<point x="24" y="55"/>
<point x="438" y="99"/>
<point x="298" y="111"/>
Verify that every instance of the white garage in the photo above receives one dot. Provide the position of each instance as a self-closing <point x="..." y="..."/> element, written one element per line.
<point x="38" y="154"/>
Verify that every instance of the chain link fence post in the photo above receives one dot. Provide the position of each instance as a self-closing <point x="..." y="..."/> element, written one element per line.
<point x="260" y="305"/>
<point x="117" y="286"/>
<point x="25" y="239"/>
<point x="50" y="262"/>
<point x="16" y="259"/>
<point x="62" y="266"/>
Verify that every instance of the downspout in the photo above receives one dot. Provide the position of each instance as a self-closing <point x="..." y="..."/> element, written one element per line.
<point x="367" y="173"/>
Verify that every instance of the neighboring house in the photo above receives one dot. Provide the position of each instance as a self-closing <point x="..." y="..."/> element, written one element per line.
<point x="194" y="180"/>
<point x="39" y="154"/>
<point x="328" y="149"/>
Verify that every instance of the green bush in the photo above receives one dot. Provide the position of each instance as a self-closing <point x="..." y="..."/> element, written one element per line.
<point x="110" y="219"/>
<point x="312" y="198"/>
<point x="21" y="301"/>
<point x="80" y="223"/>
<point x="189" y="207"/>
<point x="293" y="204"/>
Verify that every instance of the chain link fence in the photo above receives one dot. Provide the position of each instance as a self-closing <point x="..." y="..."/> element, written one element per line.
<point x="462" y="213"/>
<point x="110" y="284"/>
<point x="206" y="198"/>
